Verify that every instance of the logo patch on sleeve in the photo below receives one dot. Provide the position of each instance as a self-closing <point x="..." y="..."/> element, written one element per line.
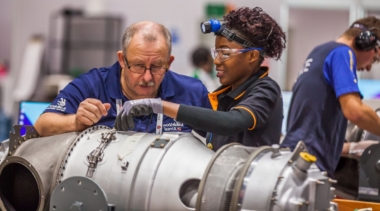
<point x="60" y="106"/>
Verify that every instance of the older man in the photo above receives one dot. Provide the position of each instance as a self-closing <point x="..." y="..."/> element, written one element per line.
<point x="142" y="71"/>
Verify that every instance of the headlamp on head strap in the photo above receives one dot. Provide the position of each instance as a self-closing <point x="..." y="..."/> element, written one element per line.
<point x="220" y="29"/>
<point x="210" y="26"/>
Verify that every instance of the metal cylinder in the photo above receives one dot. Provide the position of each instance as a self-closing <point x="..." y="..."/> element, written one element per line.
<point x="137" y="168"/>
<point x="267" y="183"/>
<point x="26" y="175"/>
<point x="265" y="178"/>
<point x="132" y="171"/>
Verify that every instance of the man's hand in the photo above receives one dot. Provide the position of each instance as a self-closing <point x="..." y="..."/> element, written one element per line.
<point x="132" y="108"/>
<point x="357" y="148"/>
<point x="89" y="112"/>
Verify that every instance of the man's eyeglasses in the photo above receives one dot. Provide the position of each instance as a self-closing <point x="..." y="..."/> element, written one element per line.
<point x="140" y="68"/>
<point x="224" y="54"/>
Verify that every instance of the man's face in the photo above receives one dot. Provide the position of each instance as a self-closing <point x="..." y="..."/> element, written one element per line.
<point x="365" y="59"/>
<point x="147" y="54"/>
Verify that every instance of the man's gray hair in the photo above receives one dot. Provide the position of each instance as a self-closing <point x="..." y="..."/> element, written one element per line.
<point x="150" y="32"/>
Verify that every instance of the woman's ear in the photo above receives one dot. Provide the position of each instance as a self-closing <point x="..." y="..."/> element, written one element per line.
<point x="254" y="56"/>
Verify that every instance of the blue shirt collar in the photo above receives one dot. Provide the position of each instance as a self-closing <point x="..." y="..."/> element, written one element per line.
<point x="113" y="84"/>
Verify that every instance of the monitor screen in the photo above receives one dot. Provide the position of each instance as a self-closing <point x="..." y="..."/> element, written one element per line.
<point x="30" y="111"/>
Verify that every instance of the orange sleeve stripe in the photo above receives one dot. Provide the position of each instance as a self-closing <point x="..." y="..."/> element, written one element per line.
<point x="253" y="116"/>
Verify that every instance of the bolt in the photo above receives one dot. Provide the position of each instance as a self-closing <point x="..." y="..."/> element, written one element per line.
<point x="275" y="147"/>
<point x="319" y="182"/>
<point x="152" y="144"/>
<point x="162" y="145"/>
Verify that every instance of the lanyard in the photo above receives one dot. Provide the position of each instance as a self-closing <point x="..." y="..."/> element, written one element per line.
<point x="159" y="123"/>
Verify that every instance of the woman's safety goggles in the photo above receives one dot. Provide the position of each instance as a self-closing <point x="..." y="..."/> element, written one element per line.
<point x="224" y="54"/>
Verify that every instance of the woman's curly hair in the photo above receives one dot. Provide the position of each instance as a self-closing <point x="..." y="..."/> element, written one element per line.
<point x="259" y="28"/>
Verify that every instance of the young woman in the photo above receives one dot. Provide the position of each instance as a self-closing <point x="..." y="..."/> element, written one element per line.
<point x="247" y="108"/>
